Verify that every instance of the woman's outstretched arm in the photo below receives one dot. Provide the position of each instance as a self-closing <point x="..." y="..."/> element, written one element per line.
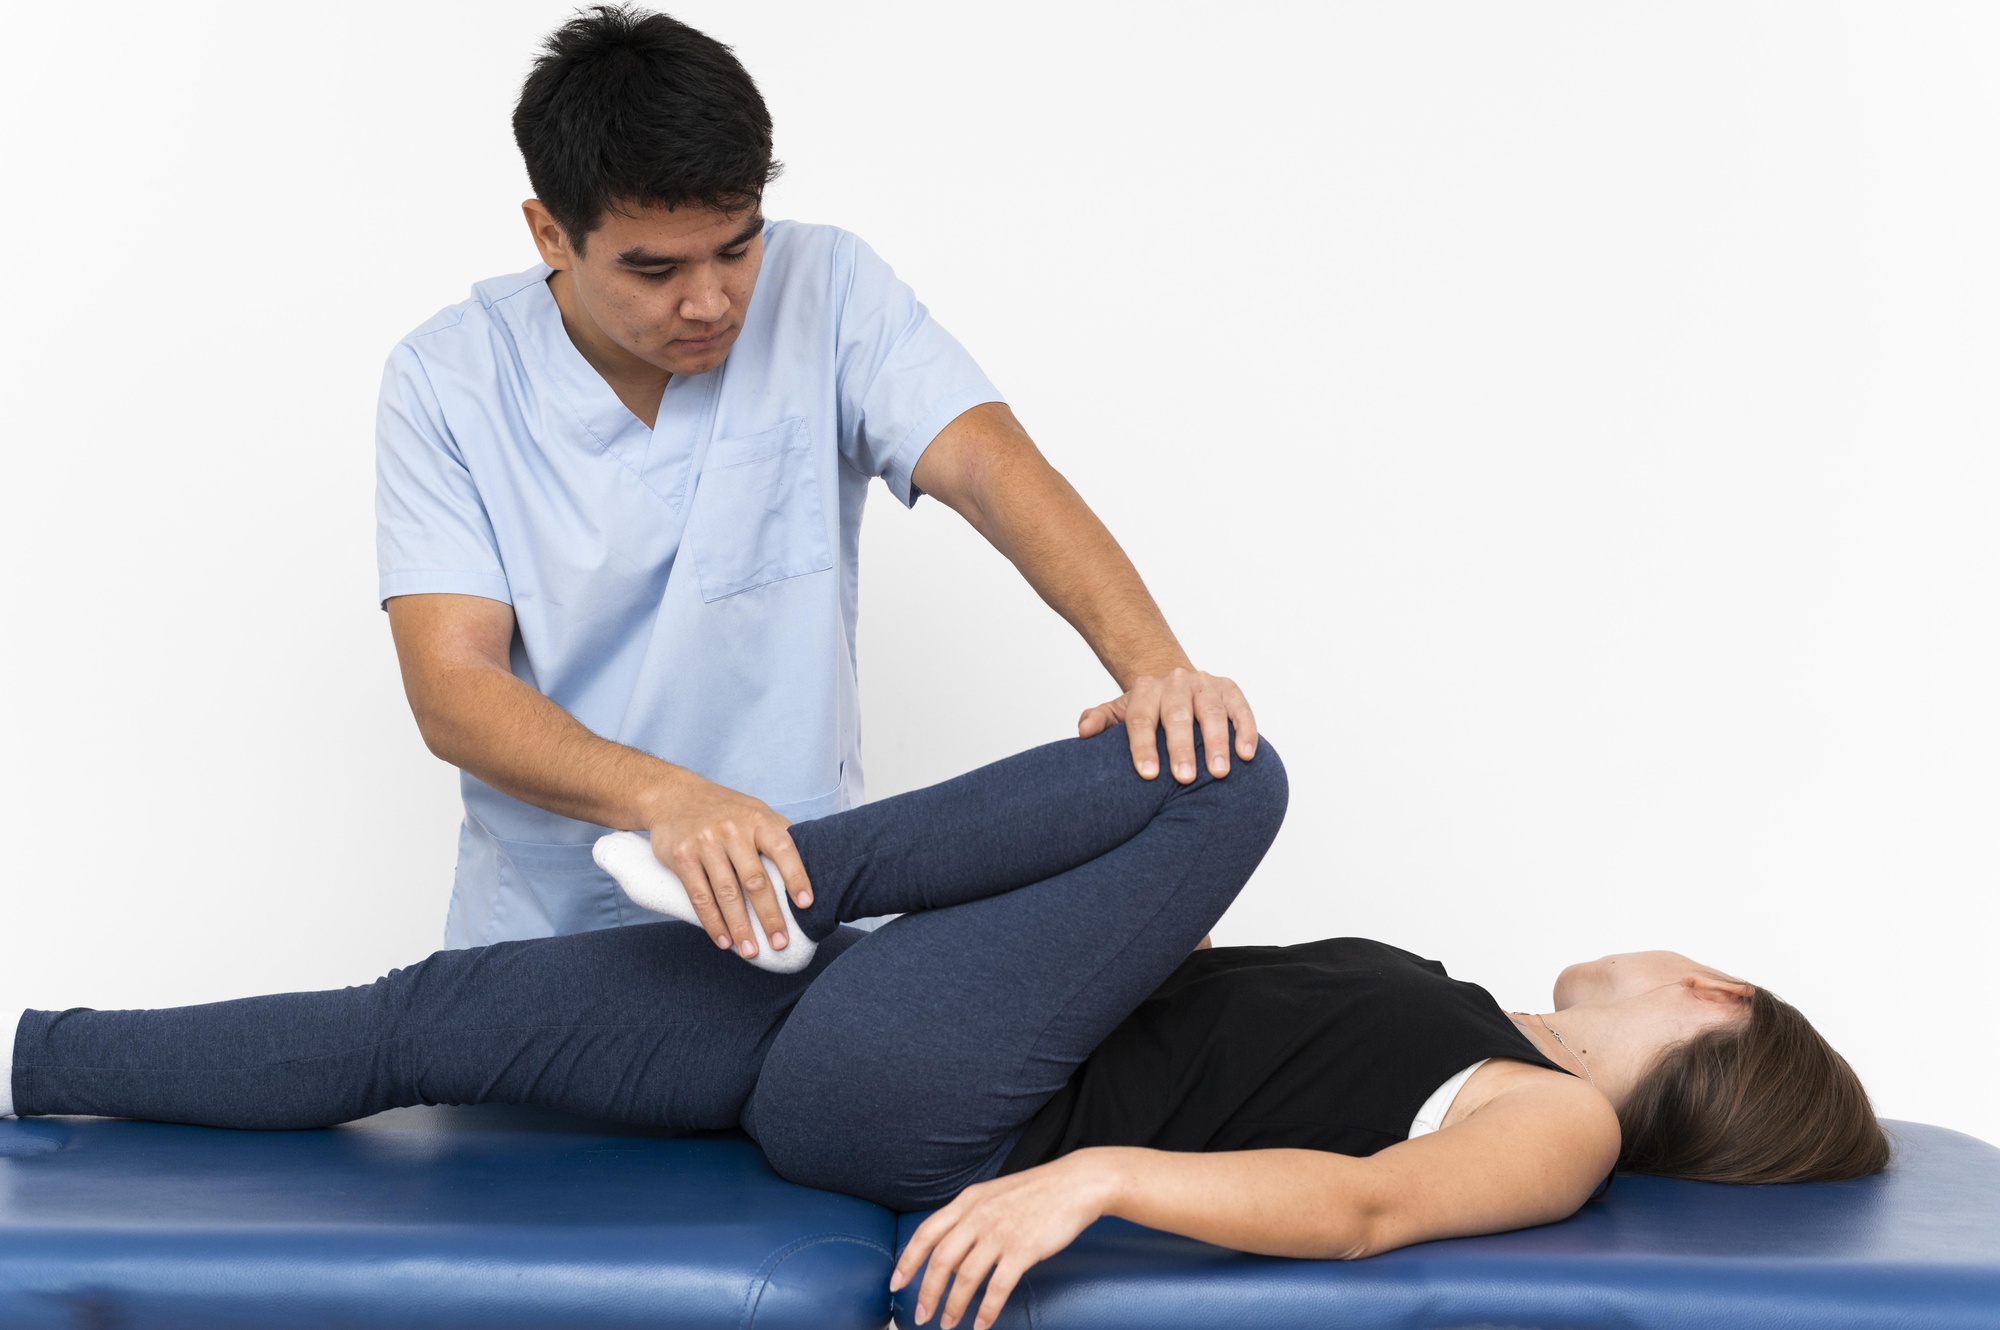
<point x="1530" y="1155"/>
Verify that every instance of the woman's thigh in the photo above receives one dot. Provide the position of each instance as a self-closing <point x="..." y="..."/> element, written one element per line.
<point x="909" y="1067"/>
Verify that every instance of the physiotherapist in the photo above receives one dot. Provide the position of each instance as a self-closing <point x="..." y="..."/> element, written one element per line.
<point x="619" y="502"/>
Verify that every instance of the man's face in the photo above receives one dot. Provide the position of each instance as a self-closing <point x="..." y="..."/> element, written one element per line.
<point x="666" y="286"/>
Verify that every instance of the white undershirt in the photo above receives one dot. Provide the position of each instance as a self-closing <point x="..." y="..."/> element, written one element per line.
<point x="1431" y="1116"/>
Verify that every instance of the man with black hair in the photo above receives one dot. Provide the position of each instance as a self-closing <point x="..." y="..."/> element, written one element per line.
<point x="619" y="499"/>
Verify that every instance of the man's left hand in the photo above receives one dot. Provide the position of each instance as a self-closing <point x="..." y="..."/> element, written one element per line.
<point x="1178" y="700"/>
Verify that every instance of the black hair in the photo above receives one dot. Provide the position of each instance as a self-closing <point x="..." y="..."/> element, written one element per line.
<point x="624" y="105"/>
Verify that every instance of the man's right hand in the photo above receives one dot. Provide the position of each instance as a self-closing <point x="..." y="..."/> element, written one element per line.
<point x="711" y="837"/>
<point x="477" y="716"/>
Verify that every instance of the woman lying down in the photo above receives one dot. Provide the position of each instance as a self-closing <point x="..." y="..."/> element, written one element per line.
<point x="1032" y="1045"/>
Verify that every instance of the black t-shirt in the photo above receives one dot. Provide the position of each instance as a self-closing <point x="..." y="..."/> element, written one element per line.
<point x="1330" y="1045"/>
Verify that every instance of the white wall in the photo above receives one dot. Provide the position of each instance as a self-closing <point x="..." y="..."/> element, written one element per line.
<point x="1575" y="425"/>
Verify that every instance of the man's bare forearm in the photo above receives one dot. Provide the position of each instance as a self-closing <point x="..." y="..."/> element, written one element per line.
<point x="489" y="723"/>
<point x="476" y="715"/>
<point x="986" y="468"/>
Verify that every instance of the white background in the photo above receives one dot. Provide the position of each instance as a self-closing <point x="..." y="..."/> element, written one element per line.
<point x="1574" y="424"/>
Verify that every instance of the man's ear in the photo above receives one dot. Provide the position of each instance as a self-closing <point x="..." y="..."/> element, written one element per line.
<point x="549" y="236"/>
<point x="1708" y="988"/>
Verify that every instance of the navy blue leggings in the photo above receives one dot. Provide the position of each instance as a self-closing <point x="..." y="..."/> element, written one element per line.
<point x="1043" y="898"/>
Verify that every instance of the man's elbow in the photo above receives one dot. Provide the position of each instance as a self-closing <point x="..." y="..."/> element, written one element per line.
<point x="439" y="710"/>
<point x="435" y="731"/>
<point x="438" y="740"/>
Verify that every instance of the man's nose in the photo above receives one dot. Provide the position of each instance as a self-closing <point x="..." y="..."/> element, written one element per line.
<point x="706" y="303"/>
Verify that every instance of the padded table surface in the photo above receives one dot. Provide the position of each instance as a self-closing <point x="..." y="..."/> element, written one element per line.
<point x="1917" y="1248"/>
<point x="485" y="1217"/>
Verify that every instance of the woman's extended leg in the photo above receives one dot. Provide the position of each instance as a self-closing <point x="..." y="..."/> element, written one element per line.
<point x="654" y="1024"/>
<point x="644" y="1024"/>
<point x="907" y="1070"/>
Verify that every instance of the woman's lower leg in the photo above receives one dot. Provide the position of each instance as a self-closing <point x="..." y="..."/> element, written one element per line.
<point x="644" y="1024"/>
<point x="1006" y="825"/>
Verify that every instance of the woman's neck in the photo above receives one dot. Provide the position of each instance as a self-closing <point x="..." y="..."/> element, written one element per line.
<point x="1578" y="1041"/>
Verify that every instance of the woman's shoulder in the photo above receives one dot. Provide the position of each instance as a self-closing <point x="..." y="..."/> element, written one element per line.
<point x="1548" y="1093"/>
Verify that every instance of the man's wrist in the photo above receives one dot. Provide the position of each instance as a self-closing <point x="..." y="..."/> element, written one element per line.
<point x="1158" y="668"/>
<point x="664" y="789"/>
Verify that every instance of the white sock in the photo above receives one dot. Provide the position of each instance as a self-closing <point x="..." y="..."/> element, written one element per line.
<point x="629" y="858"/>
<point x="7" y="1064"/>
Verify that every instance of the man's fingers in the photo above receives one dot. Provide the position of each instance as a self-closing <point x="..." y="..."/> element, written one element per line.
<point x="1177" y="718"/>
<point x="777" y="844"/>
<point x="1142" y="718"/>
<point x="728" y="892"/>
<point x="695" y="879"/>
<point x="1245" y="722"/>
<point x="1215" y="734"/>
<point x="1093" y="722"/>
<point x="760" y="893"/>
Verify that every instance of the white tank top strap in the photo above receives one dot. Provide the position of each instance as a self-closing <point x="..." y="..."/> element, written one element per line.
<point x="1431" y="1116"/>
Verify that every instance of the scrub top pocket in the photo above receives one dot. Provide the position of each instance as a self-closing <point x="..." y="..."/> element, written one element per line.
<point x="757" y="515"/>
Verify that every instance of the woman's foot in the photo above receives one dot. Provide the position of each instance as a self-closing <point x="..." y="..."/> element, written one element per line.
<point x="630" y="860"/>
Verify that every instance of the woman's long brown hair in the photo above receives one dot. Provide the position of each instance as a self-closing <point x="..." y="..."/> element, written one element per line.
<point x="1764" y="1100"/>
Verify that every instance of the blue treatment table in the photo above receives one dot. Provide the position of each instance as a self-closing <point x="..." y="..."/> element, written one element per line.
<point x="496" y="1217"/>
<point x="1915" y="1249"/>
<point x="474" y="1217"/>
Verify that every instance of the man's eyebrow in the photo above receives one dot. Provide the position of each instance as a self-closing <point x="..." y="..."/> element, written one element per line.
<point x="646" y="258"/>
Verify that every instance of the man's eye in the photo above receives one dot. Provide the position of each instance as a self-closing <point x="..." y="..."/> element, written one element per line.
<point x="735" y="253"/>
<point x="659" y="276"/>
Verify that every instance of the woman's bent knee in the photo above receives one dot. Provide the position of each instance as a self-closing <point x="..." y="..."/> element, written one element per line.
<point x="1257" y="788"/>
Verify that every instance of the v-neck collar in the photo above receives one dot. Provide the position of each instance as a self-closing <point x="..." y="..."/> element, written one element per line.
<point x="537" y="322"/>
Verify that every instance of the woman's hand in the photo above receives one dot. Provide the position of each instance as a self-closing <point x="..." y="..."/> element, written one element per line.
<point x="1003" y="1227"/>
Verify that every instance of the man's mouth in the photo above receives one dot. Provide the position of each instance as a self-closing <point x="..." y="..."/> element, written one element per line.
<point x="708" y="343"/>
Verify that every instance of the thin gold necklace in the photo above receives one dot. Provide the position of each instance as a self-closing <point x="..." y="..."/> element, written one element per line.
<point x="1564" y="1042"/>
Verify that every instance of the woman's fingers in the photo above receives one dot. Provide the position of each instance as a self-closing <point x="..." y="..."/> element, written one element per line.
<point x="918" y="1247"/>
<point x="953" y="1248"/>
<point x="926" y="1238"/>
<point x="991" y="1235"/>
<point x="971" y="1274"/>
<point x="1000" y="1288"/>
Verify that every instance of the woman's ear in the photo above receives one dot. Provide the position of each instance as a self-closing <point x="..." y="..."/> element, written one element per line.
<point x="1709" y="988"/>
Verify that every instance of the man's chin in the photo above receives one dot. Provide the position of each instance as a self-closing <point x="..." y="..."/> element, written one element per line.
<point x="678" y="361"/>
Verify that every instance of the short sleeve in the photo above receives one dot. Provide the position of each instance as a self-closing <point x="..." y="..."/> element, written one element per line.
<point x="902" y="377"/>
<point x="432" y="533"/>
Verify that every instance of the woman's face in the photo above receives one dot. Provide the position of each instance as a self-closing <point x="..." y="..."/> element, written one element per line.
<point x="1628" y="974"/>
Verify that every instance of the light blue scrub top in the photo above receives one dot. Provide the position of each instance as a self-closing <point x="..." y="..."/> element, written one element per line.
<point x="687" y="590"/>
